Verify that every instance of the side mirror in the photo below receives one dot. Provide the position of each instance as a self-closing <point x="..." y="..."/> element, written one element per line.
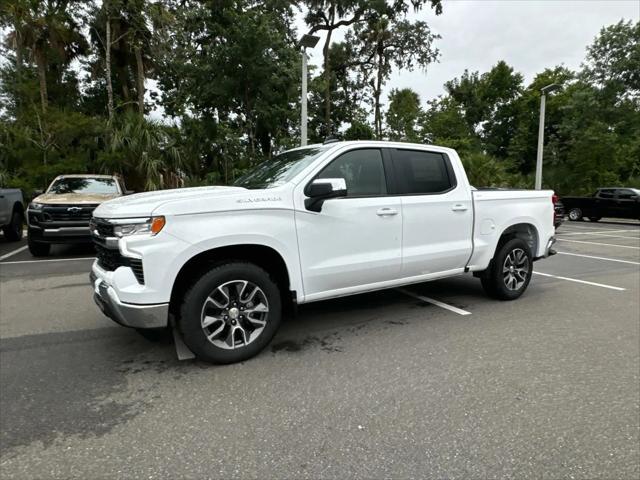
<point x="322" y="189"/>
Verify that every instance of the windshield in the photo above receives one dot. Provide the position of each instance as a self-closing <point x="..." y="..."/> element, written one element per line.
<point x="280" y="169"/>
<point x="93" y="186"/>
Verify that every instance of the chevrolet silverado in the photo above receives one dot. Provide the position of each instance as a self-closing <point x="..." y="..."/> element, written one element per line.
<point x="220" y="264"/>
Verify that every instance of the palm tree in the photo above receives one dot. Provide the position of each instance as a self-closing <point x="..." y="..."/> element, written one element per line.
<point x="145" y="152"/>
<point x="49" y="32"/>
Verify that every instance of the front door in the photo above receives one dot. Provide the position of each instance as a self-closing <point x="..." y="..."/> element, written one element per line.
<point x="353" y="241"/>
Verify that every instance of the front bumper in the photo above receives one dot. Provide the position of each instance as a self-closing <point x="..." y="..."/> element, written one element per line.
<point x="60" y="234"/>
<point x="128" y="314"/>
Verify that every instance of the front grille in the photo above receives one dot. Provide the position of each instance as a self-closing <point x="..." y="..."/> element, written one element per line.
<point x="67" y="213"/>
<point x="110" y="259"/>
<point x="102" y="227"/>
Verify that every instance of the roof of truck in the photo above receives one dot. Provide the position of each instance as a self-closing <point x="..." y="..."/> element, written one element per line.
<point x="85" y="175"/>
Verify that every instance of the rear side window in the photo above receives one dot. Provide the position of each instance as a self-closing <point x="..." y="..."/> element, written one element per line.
<point x="423" y="172"/>
<point x="624" y="194"/>
<point x="362" y="170"/>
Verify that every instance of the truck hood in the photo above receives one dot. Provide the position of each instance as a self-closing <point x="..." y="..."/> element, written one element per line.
<point x="73" y="198"/>
<point x="144" y="204"/>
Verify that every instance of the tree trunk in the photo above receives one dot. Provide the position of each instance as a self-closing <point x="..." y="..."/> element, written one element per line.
<point x="140" y="80"/>
<point x="42" y="77"/>
<point x="107" y="61"/>
<point x="250" y="123"/>
<point x="377" y="91"/>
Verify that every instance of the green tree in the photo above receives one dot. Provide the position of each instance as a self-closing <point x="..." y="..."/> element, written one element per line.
<point x="49" y="32"/>
<point x="330" y="15"/>
<point x="383" y="42"/>
<point x="403" y="115"/>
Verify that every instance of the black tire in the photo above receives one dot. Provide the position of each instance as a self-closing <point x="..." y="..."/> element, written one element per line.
<point x="193" y="307"/>
<point x="494" y="281"/>
<point x="13" y="231"/>
<point x="594" y="219"/>
<point x="575" y="214"/>
<point x="38" y="249"/>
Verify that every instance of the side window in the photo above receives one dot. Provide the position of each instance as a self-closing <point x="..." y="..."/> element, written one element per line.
<point x="422" y="172"/>
<point x="362" y="171"/>
<point x="606" y="194"/>
<point x="624" y="194"/>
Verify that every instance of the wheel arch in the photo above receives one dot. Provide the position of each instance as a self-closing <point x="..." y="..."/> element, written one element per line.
<point x="263" y="256"/>
<point x="18" y="207"/>
<point x="524" y="231"/>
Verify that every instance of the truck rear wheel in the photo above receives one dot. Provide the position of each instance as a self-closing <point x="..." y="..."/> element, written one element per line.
<point x="13" y="231"/>
<point x="510" y="271"/>
<point x="575" y="214"/>
<point x="231" y="313"/>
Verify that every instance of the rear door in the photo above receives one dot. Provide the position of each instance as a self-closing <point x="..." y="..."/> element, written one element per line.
<point x="437" y="213"/>
<point x="5" y="209"/>
<point x="606" y="205"/>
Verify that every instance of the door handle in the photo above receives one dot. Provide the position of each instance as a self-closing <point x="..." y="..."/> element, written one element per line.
<point x="386" y="212"/>
<point x="459" y="207"/>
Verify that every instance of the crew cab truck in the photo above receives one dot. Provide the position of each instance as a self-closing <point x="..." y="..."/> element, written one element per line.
<point x="11" y="213"/>
<point x="220" y="264"/>
<point x="616" y="202"/>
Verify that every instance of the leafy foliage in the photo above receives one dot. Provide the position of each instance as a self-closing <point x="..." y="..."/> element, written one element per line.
<point x="82" y="82"/>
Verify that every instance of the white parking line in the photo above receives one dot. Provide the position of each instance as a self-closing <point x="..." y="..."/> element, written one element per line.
<point x="601" y="228"/>
<point x="598" y="232"/>
<point x="451" y="308"/>
<point x="596" y="243"/>
<point x="614" y="236"/>
<point x="51" y="260"/>
<point x="10" y="254"/>
<point x="599" y="258"/>
<point x="611" y="287"/>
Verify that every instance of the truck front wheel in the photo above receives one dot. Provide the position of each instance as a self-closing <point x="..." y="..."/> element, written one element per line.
<point x="38" y="249"/>
<point x="231" y="313"/>
<point x="510" y="272"/>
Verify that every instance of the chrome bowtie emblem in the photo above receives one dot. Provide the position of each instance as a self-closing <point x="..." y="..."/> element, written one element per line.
<point x="74" y="209"/>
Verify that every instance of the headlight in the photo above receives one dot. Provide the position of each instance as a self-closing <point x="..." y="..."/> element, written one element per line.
<point x="35" y="206"/>
<point x="137" y="226"/>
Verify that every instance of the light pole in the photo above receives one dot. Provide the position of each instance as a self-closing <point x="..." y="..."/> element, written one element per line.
<point x="307" y="41"/>
<point x="544" y="90"/>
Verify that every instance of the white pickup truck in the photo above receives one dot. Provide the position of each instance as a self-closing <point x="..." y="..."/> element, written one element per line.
<point x="220" y="264"/>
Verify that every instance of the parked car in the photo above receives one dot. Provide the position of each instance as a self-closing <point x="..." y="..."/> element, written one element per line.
<point x="11" y="213"/>
<point x="613" y="202"/>
<point x="313" y="223"/>
<point x="62" y="213"/>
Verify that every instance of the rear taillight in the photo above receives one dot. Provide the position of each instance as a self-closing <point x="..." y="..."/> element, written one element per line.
<point x="554" y="201"/>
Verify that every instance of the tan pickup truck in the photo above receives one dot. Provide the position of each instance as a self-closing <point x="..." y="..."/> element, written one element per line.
<point x="61" y="214"/>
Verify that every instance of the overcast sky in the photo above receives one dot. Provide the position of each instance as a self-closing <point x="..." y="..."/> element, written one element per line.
<point x="529" y="35"/>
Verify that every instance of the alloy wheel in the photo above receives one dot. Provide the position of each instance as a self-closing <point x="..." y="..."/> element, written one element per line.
<point x="575" y="214"/>
<point x="234" y="314"/>
<point x="515" y="269"/>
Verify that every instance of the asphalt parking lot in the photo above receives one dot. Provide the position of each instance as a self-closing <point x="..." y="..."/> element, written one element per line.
<point x="434" y="380"/>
